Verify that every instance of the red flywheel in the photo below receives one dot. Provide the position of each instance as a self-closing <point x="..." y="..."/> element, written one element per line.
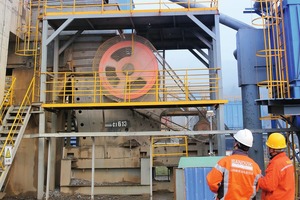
<point x="128" y="70"/>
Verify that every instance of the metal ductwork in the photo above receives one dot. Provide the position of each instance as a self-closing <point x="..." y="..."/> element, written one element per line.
<point x="224" y="19"/>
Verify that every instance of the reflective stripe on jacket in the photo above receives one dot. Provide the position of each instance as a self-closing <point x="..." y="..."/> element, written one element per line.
<point x="279" y="182"/>
<point x="234" y="177"/>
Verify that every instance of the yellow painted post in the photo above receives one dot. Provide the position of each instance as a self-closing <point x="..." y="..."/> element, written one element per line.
<point x="100" y="90"/>
<point x="45" y="6"/>
<point x="64" y="86"/>
<point x="186" y="87"/>
<point x="95" y="86"/>
<point x="73" y="89"/>
<point x="156" y="88"/>
<point x="12" y="91"/>
<point x="217" y="86"/>
<point x="127" y="88"/>
<point x="186" y="146"/>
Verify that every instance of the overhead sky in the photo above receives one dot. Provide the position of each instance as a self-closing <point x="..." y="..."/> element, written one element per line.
<point x="232" y="8"/>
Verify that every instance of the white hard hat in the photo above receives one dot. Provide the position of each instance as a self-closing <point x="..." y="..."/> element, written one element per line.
<point x="244" y="137"/>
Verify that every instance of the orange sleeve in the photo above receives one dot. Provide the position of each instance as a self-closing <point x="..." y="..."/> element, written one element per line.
<point x="214" y="178"/>
<point x="270" y="181"/>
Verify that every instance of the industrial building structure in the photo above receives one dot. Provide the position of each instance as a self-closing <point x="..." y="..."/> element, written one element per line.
<point x="90" y="104"/>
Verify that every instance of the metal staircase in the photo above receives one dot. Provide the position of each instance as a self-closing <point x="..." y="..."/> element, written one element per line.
<point x="12" y="130"/>
<point x="12" y="127"/>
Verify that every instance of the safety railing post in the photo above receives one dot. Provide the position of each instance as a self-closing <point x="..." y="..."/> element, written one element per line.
<point x="100" y="90"/>
<point x="186" y="86"/>
<point x="127" y="91"/>
<point x="64" y="88"/>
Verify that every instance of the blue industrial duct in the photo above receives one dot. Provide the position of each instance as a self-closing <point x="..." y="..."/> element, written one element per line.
<point x="292" y="28"/>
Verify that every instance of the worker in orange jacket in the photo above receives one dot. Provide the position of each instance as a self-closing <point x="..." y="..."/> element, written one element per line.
<point x="279" y="181"/>
<point x="235" y="177"/>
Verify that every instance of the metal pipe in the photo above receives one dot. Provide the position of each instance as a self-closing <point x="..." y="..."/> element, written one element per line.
<point x="224" y="19"/>
<point x="151" y="164"/>
<point x="210" y="114"/>
<point x="48" y="169"/>
<point x="93" y="169"/>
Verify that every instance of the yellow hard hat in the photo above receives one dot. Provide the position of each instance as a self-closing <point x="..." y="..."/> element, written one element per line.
<point x="276" y="141"/>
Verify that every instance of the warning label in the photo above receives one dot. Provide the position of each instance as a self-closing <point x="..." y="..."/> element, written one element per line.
<point x="7" y="155"/>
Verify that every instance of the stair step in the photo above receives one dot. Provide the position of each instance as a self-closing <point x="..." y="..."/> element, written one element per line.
<point x="4" y="138"/>
<point x="7" y="131"/>
<point x="10" y="125"/>
<point x="18" y="107"/>
<point x="15" y="112"/>
<point x="37" y="112"/>
<point x="12" y="118"/>
<point x="16" y="128"/>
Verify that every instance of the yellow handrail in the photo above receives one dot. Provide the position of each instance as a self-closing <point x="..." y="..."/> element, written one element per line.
<point x="198" y="83"/>
<point x="17" y="121"/>
<point x="77" y="7"/>
<point x="28" y="29"/>
<point x="7" y="100"/>
<point x="165" y="143"/>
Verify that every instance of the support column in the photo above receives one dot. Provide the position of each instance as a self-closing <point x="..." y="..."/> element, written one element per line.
<point x="54" y="119"/>
<point x="219" y="95"/>
<point x="5" y="22"/>
<point x="251" y="115"/>
<point x="42" y="116"/>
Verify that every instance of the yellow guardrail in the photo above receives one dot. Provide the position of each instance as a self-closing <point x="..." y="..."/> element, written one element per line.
<point x="165" y="142"/>
<point x="27" y="33"/>
<point x="131" y="86"/>
<point x="8" y="97"/>
<point x="81" y="7"/>
<point x="23" y="109"/>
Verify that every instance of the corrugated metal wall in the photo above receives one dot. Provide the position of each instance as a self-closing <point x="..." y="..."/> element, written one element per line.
<point x="195" y="183"/>
<point x="191" y="184"/>
<point x="233" y="114"/>
<point x="191" y="178"/>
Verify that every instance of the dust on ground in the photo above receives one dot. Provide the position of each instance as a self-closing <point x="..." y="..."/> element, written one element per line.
<point x="56" y="195"/>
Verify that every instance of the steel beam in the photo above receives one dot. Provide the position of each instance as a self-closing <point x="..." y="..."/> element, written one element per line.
<point x="60" y="29"/>
<point x="69" y="42"/>
<point x="217" y="64"/>
<point x="204" y="40"/>
<point x="202" y="26"/>
<point x="199" y="58"/>
<point x="151" y="133"/>
<point x="122" y="105"/>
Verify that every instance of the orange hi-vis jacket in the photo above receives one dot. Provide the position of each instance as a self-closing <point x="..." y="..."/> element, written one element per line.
<point x="234" y="177"/>
<point x="279" y="182"/>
